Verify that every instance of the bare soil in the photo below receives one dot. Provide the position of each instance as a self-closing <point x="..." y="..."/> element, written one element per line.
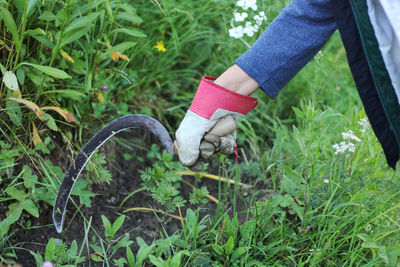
<point x="126" y="179"/>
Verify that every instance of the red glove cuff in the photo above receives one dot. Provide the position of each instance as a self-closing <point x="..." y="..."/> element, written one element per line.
<point x="210" y="97"/>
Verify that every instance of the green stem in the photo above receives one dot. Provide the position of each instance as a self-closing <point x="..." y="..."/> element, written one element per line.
<point x="21" y="38"/>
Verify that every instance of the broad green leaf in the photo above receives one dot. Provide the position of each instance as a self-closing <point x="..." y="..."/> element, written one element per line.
<point x="218" y="249"/>
<point x="96" y="258"/>
<point x="57" y="73"/>
<point x="29" y="104"/>
<point x="74" y="35"/>
<point x="50" y="250"/>
<point x="10" y="80"/>
<point x="229" y="246"/>
<point x="67" y="93"/>
<point x="129" y="17"/>
<point x="107" y="226"/>
<point x="144" y="251"/>
<point x="10" y="24"/>
<point x="38" y="258"/>
<point x="294" y="175"/>
<point x="117" y="224"/>
<point x="31" y="6"/>
<point x="15" y="193"/>
<point x="21" y="76"/>
<point x="130" y="32"/>
<point x="130" y="257"/>
<point x="176" y="259"/>
<point x="44" y="40"/>
<point x="239" y="252"/>
<point x="7" y="222"/>
<point x="14" y="112"/>
<point x="37" y="31"/>
<point x="51" y="123"/>
<point x="121" y="47"/>
<point x="81" y="22"/>
<point x="30" y="207"/>
<point x="156" y="261"/>
<point x="47" y="16"/>
<point x="128" y="8"/>
<point x="29" y="178"/>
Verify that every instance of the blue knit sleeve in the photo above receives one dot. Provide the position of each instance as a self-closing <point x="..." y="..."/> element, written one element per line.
<point x="289" y="42"/>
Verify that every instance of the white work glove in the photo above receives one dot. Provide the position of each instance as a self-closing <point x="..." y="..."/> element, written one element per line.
<point x="211" y="103"/>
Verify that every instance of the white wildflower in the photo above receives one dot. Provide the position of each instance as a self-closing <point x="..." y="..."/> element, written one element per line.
<point x="246" y="4"/>
<point x="260" y="18"/>
<point x="343" y="147"/>
<point x="350" y="135"/>
<point x="236" y="32"/>
<point x="250" y="29"/>
<point x="326" y="181"/>
<point x="240" y="16"/>
<point x="364" y="124"/>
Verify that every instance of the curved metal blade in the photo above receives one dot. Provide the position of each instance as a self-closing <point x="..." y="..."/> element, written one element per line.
<point x="130" y="121"/>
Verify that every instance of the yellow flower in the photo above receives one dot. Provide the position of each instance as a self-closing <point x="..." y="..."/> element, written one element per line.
<point x="160" y="46"/>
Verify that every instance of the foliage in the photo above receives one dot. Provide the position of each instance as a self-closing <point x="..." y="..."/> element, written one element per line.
<point x="320" y="196"/>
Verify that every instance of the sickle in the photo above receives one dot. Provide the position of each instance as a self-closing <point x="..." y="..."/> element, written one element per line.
<point x="130" y="121"/>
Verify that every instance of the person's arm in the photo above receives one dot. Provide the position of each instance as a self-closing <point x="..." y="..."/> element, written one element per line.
<point x="237" y="80"/>
<point x="289" y="43"/>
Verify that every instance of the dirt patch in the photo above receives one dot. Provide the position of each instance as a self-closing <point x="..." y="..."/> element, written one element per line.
<point x="126" y="179"/>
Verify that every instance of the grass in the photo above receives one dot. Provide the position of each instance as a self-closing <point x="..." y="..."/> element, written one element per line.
<point x="309" y="206"/>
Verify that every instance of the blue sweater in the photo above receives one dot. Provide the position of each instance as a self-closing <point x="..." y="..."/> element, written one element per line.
<point x="290" y="41"/>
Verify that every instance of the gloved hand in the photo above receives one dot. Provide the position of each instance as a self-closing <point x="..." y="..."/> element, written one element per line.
<point x="211" y="103"/>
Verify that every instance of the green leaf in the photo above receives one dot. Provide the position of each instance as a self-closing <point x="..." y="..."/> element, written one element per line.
<point x="31" y="6"/>
<point x="30" y="207"/>
<point x="96" y="258"/>
<point x="47" y="16"/>
<point x="176" y="259"/>
<point x="57" y="73"/>
<point x="67" y="93"/>
<point x="144" y="251"/>
<point x="15" y="193"/>
<point x="10" y="24"/>
<point x="129" y="17"/>
<point x="157" y="261"/>
<point x="218" y="249"/>
<point x="10" y="80"/>
<point x="130" y="257"/>
<point x="51" y="123"/>
<point x="121" y="47"/>
<point x="38" y="259"/>
<point x="130" y="32"/>
<point x="107" y="227"/>
<point x="294" y="175"/>
<point x="2" y="68"/>
<point x="73" y="249"/>
<point x="37" y="31"/>
<point x="81" y="22"/>
<point x="74" y="35"/>
<point x="21" y="76"/>
<point x="50" y="250"/>
<point x="239" y="252"/>
<point x="229" y="246"/>
<point x="7" y="222"/>
<point x="117" y="224"/>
